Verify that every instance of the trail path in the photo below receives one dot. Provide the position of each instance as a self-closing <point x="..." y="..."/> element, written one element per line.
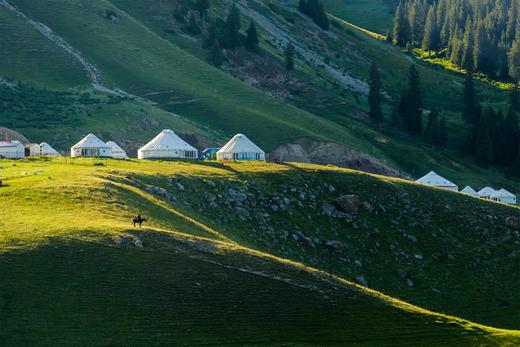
<point x="95" y="75"/>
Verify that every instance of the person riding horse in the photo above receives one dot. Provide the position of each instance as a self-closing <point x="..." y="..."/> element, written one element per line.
<point x="139" y="220"/>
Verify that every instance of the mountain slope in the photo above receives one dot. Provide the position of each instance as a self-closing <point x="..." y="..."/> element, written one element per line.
<point x="78" y="273"/>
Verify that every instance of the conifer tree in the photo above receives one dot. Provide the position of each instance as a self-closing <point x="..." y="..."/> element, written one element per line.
<point x="483" y="142"/>
<point x="431" y="39"/>
<point x="375" y="97"/>
<point x="442" y="136"/>
<point x="413" y="114"/>
<point x="515" y="99"/>
<point x="231" y="36"/>
<point x="497" y="132"/>
<point x="514" y="60"/>
<point x="289" y="57"/>
<point x="511" y="135"/>
<point x="514" y="169"/>
<point x="215" y="54"/>
<point x="252" y="39"/>
<point x="468" y="44"/>
<point x="432" y="128"/>
<point x="202" y="6"/>
<point x="401" y="30"/>
<point x="469" y="99"/>
<point x="192" y="26"/>
<point x="211" y="35"/>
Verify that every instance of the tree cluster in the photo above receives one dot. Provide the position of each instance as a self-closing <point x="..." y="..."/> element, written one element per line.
<point x="316" y="11"/>
<point x="477" y="35"/>
<point x="494" y="139"/>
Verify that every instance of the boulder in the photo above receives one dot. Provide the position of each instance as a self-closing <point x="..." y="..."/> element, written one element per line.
<point x="327" y="209"/>
<point x="348" y="203"/>
<point x="336" y="246"/>
<point x="513" y="222"/>
<point x="361" y="280"/>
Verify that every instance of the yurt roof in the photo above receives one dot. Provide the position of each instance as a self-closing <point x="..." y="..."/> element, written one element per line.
<point x="469" y="190"/>
<point x="13" y="143"/>
<point x="502" y="193"/>
<point x="432" y="178"/>
<point x="240" y="144"/>
<point x="46" y="147"/>
<point x="487" y="191"/>
<point x="91" y="141"/>
<point x="115" y="147"/>
<point x="166" y="140"/>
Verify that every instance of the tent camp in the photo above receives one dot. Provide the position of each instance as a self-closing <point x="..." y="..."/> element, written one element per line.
<point x="91" y="146"/>
<point x="486" y="193"/>
<point x="167" y="145"/>
<point x="43" y="150"/>
<point x="469" y="191"/>
<point x="433" y="179"/>
<point x="117" y="152"/>
<point x="240" y="148"/>
<point x="12" y="149"/>
<point x="504" y="196"/>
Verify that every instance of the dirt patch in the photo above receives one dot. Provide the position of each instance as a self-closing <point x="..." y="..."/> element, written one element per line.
<point x="306" y="150"/>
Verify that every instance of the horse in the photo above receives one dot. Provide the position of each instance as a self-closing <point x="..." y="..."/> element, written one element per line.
<point x="139" y="220"/>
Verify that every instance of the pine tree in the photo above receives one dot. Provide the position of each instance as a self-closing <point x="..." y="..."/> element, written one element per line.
<point x="401" y="30"/>
<point x="231" y="36"/>
<point x="443" y="136"/>
<point x="412" y="113"/>
<point x="497" y="132"/>
<point x="215" y="54"/>
<point x="515" y="99"/>
<point x="316" y="11"/>
<point x="467" y="50"/>
<point x="469" y="100"/>
<point x="375" y="97"/>
<point x="432" y="128"/>
<point x="252" y="40"/>
<point x="431" y="39"/>
<point x="514" y="60"/>
<point x="289" y="57"/>
<point x="202" y="6"/>
<point x="192" y="26"/>
<point x="511" y="135"/>
<point x="483" y="143"/>
<point x="211" y="35"/>
<point x="514" y="169"/>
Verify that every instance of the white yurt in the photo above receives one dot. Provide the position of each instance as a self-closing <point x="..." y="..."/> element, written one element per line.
<point x="433" y="179"/>
<point x="469" y="191"/>
<point x="43" y="150"/>
<point x="240" y="148"/>
<point x="486" y="193"/>
<point x="91" y="146"/>
<point x="12" y="149"/>
<point x="117" y="151"/>
<point x="167" y="145"/>
<point x="504" y="196"/>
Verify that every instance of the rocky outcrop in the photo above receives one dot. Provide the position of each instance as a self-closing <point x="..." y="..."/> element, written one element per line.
<point x="310" y="151"/>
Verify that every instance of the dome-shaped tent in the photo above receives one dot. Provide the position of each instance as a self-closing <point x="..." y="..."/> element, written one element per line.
<point x="117" y="151"/>
<point x="167" y="145"/>
<point x="433" y="179"/>
<point x="504" y="196"/>
<point x="469" y="191"/>
<point x="240" y="148"/>
<point x="43" y="150"/>
<point x="486" y="192"/>
<point x="91" y="146"/>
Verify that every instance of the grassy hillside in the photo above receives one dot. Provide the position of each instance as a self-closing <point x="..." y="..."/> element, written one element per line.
<point x="67" y="277"/>
<point x="142" y="51"/>
<point x="374" y="15"/>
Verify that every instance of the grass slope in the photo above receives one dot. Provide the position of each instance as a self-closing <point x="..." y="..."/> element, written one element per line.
<point x="63" y="279"/>
<point x="374" y="15"/>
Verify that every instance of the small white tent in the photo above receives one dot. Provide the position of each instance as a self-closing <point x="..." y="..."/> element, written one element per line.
<point x="469" y="191"/>
<point x="433" y="179"/>
<point x="504" y="196"/>
<point x="167" y="145"/>
<point x="43" y="150"/>
<point x="12" y="149"/>
<point x="117" y="152"/>
<point x="486" y="193"/>
<point x="240" y="148"/>
<point x="91" y="146"/>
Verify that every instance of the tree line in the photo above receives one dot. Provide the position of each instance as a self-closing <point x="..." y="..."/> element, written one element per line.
<point x="477" y="35"/>
<point x="493" y="138"/>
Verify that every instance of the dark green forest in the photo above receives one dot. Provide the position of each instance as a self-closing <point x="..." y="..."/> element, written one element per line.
<point x="477" y="35"/>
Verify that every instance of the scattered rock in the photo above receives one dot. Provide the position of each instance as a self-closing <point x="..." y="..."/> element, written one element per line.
<point x="513" y="222"/>
<point x="336" y="246"/>
<point x="348" y="203"/>
<point x="409" y="283"/>
<point x="361" y="280"/>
